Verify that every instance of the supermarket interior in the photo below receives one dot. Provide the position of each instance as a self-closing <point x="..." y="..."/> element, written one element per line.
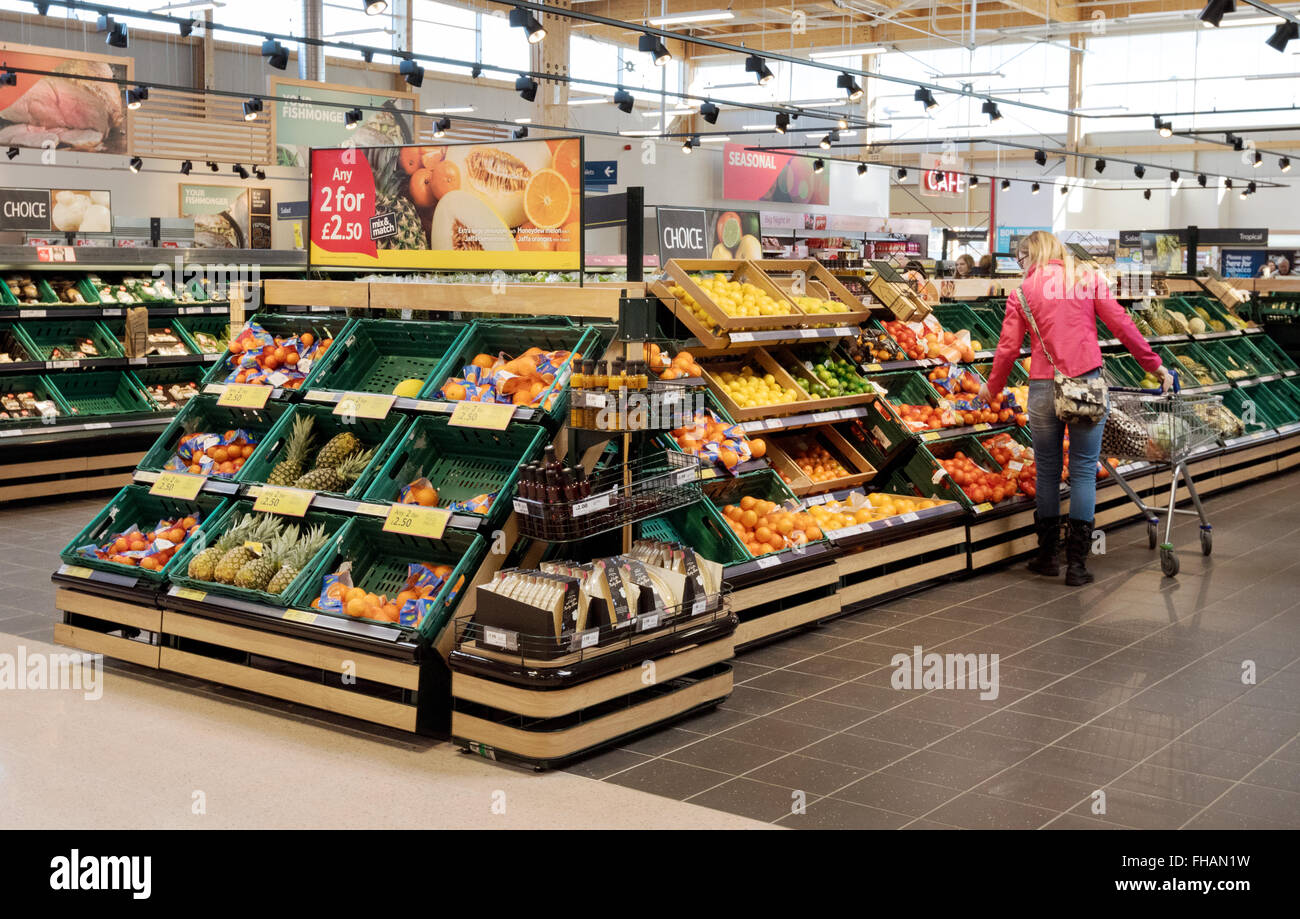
<point x="639" y="414"/>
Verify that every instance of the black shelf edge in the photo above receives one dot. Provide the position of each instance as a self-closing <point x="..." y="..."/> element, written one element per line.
<point x="810" y="419"/>
<point x="418" y="406"/>
<point x="110" y="311"/>
<point x="57" y="431"/>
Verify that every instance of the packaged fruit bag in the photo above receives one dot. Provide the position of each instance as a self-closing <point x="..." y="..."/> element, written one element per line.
<point x="765" y="527"/>
<point x="716" y="441"/>
<point x="150" y="550"/>
<point x="257" y="356"/>
<point x="209" y="453"/>
<point x="521" y="381"/>
<point x="959" y="390"/>
<point x="927" y="338"/>
<point x="413" y="602"/>
<point x="422" y="492"/>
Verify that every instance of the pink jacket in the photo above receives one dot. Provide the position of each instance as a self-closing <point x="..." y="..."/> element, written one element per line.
<point x="1067" y="319"/>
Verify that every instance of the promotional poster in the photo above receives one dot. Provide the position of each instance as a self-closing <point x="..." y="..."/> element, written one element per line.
<point x="766" y="175"/>
<point x="512" y="205"/>
<point x="228" y="216"/>
<point x="700" y="232"/>
<point x="301" y="122"/>
<point x="65" y="109"/>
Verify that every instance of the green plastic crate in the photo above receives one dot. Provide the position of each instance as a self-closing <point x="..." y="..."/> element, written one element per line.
<point x="377" y="354"/>
<point x="40" y="387"/>
<point x="908" y="387"/>
<point x="1234" y="364"/>
<point x="118" y="329"/>
<point x="1253" y="402"/>
<point x="704" y="533"/>
<point x="167" y="375"/>
<point x="15" y="343"/>
<point x="202" y="414"/>
<point x="1286" y="399"/>
<point x="216" y="326"/>
<point x="134" y="505"/>
<point x="336" y="525"/>
<point x="1121" y="369"/>
<point x="1171" y="353"/>
<point x="923" y="469"/>
<point x="45" y="295"/>
<point x="1272" y="352"/>
<point x="7" y="297"/>
<point x="382" y="435"/>
<point x="103" y="392"/>
<point x="379" y="565"/>
<point x="514" y="339"/>
<point x="956" y="316"/>
<point x="764" y="484"/>
<point x="460" y="463"/>
<point x="48" y="334"/>
<point x="283" y="325"/>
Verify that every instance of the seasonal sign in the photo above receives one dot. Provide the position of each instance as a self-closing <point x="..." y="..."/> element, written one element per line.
<point x="769" y="175"/>
<point x="512" y="205"/>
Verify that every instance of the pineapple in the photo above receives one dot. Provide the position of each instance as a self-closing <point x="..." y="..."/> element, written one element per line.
<point x="389" y="185"/>
<point x="296" y="557"/>
<point x="336" y="478"/>
<point x="258" y="573"/>
<point x="266" y="528"/>
<point x="295" y="452"/>
<point x="337" y="450"/>
<point x="201" y="566"/>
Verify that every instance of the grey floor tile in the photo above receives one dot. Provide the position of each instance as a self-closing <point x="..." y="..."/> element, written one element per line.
<point x="952" y="772"/>
<point x="897" y="794"/>
<point x="661" y="742"/>
<point x="818" y="714"/>
<point x="1223" y="764"/>
<point x="986" y="812"/>
<point x="1173" y="784"/>
<point x="863" y="753"/>
<point x="1049" y="792"/>
<point x="1076" y="765"/>
<point x="792" y="683"/>
<point x="832" y="814"/>
<point x="774" y="734"/>
<point x="606" y="764"/>
<point x="804" y="773"/>
<point x="723" y="755"/>
<point x="1271" y="804"/>
<point x="1138" y="811"/>
<point x="747" y="798"/>
<point x="1276" y="773"/>
<point x="753" y="701"/>
<point x="669" y="779"/>
<point x="900" y="729"/>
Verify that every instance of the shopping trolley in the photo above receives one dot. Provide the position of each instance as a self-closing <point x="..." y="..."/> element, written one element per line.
<point x="1173" y="426"/>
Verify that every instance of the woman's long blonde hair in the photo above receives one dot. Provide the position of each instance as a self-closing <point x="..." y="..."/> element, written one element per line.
<point x="1042" y="247"/>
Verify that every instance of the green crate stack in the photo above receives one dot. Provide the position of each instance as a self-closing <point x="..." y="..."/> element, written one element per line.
<point x="377" y="354"/>
<point x="923" y="469"/>
<point x="63" y="334"/>
<point x="381" y="435"/>
<point x="118" y="329"/>
<point x="956" y="316"/>
<point x="1247" y="402"/>
<point x="134" y="505"/>
<point x="1174" y="356"/>
<point x="41" y="388"/>
<point x="461" y="463"/>
<point x="218" y="327"/>
<point x="202" y="414"/>
<point x="15" y="343"/>
<point x="703" y="532"/>
<point x="284" y="325"/>
<point x="513" y="338"/>
<point x="1232" y="364"/>
<point x="380" y="563"/>
<point x="7" y="298"/>
<point x="166" y="376"/>
<point x="336" y="526"/>
<point x="103" y="392"/>
<point x="1273" y="353"/>
<point x="1286" y="399"/>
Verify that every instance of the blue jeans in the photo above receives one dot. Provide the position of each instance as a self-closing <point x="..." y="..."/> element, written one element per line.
<point x="1085" y="450"/>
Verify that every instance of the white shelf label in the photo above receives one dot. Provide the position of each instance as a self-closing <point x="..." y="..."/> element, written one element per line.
<point x="767" y="561"/>
<point x="685" y="476"/>
<point x="648" y="621"/>
<point x="741" y="337"/>
<point x="699" y="606"/>
<point x="500" y="638"/>
<point x="112" y="312"/>
<point x="825" y="416"/>
<point x="320" y="309"/>
<point x="591" y="505"/>
<point x="808" y="333"/>
<point x="137" y="360"/>
<point x="521" y="506"/>
<point x="909" y="517"/>
<point x="63" y="365"/>
<point x="31" y="314"/>
<point x="586" y="639"/>
<point x="97" y="426"/>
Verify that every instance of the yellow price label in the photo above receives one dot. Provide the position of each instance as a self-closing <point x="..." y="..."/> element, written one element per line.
<point x="75" y="571"/>
<point x="930" y="435"/>
<point x="244" y="395"/>
<point x="292" y="502"/>
<point x="186" y="593"/>
<point x="871" y="368"/>
<point x="489" y="415"/>
<point x="365" y="405"/>
<point x="986" y="506"/>
<point x="983" y="426"/>
<point x="417" y="520"/>
<point x="178" y="485"/>
<point x="299" y="615"/>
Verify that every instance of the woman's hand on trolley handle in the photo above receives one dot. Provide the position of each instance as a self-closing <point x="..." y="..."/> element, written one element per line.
<point x="1166" y="379"/>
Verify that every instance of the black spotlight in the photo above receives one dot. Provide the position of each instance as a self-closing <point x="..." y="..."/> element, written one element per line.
<point x="782" y="122"/>
<point x="368" y="55"/>
<point x="1259" y="160"/>
<point x="690" y="144"/>
<point x="374" y="7"/>
<point x="1250" y="187"/>
<point x="1283" y="34"/>
<point x="990" y="108"/>
<point x="926" y="98"/>
<point x="259" y="172"/>
<point x="902" y="173"/>
<point x="239" y="170"/>
<point x="1139" y="171"/>
<point x="524" y="19"/>
<point x="841" y="122"/>
<point x="1146" y="193"/>
<point x="652" y="45"/>
<point x="187" y="28"/>
<point x="475" y="72"/>
<point x="213" y="166"/>
<point x="8" y="78"/>
<point x="1065" y="189"/>
<point x="1175" y="177"/>
<point x="441" y="126"/>
<point x="251" y="109"/>
<point x="846" y="82"/>
<point x="832" y="138"/>
<point x="521" y="132"/>
<point x="757" y="66"/>
<point x="1006" y="183"/>
<point x="819" y="165"/>
<point x="862" y="169"/>
<point x="1237" y="142"/>
<point x="186" y="167"/>
<point x="1164" y="127"/>
<point x="623" y="99"/>
<point x="136" y="97"/>
<point x="1201" y="180"/>
<point x="42" y="8"/>
<point x="709" y="112"/>
<point x="412" y="72"/>
<point x="12" y="152"/>
<point x="1040" y="157"/>
<point x="276" y="54"/>
<point x="1035" y="188"/>
<point x="1099" y="165"/>
<point x="1284" y="164"/>
<point x="974" y="180"/>
<point x="351" y="119"/>
<point x="117" y="34"/>
<point x="136" y="164"/>
<point x="1227" y="183"/>
<point x="1214" y="10"/>
<point x="526" y="87"/>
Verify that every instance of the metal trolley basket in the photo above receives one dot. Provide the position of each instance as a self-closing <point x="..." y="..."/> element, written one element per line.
<point x="1175" y="425"/>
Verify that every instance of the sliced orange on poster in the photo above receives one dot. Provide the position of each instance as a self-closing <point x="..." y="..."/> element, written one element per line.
<point x="567" y="160"/>
<point x="548" y="198"/>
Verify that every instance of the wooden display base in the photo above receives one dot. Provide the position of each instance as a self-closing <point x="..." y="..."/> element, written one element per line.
<point x="787" y="603"/>
<point x="901" y="565"/>
<point x="113" y="628"/>
<point x="80" y="474"/>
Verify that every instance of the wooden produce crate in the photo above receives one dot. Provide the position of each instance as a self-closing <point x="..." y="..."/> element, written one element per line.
<point x="888" y="286"/>
<point x="804" y="378"/>
<point x="680" y="271"/>
<point x="788" y="469"/>
<point x="816" y="281"/>
<point x="860" y="470"/>
<point x="763" y="364"/>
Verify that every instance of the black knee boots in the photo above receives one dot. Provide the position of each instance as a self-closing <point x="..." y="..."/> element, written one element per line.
<point x="1049" y="538"/>
<point x="1077" y="546"/>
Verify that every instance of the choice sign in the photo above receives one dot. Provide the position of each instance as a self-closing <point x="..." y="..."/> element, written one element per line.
<point x="24" y="209"/>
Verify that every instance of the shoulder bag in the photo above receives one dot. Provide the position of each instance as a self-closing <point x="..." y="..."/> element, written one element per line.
<point x="1077" y="400"/>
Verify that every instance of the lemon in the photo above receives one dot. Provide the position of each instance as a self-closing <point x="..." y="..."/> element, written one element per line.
<point x="408" y="389"/>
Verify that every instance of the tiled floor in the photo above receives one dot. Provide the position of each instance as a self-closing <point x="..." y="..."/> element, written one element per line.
<point x="1121" y="704"/>
<point x="1132" y="687"/>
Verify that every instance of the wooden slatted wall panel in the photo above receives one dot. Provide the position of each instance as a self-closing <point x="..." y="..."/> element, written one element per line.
<point x="176" y="125"/>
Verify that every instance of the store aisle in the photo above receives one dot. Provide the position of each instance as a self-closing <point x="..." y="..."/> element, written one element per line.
<point x="1132" y="686"/>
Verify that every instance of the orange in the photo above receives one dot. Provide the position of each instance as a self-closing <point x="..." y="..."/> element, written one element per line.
<point x="747" y="502"/>
<point x="355" y="608"/>
<point x="445" y="176"/>
<point x="455" y="392"/>
<point x="728" y="458"/>
<point x="422" y="190"/>
<point x="758" y="448"/>
<point x="483" y="360"/>
<point x="432" y="156"/>
<point x="547" y="199"/>
<point x="566" y="158"/>
<point x="426" y="496"/>
<point x="410" y="158"/>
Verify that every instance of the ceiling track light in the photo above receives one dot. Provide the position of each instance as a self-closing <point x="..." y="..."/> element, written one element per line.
<point x="526" y="87"/>
<point x="368" y="55"/>
<point x="187" y="28"/>
<point x="1100" y="166"/>
<point x="846" y="82"/>
<point x="412" y="72"/>
<point x="1283" y="34"/>
<point x="521" y="132"/>
<point x="1284" y="164"/>
<point x="1040" y="157"/>
<point x="352" y="118"/>
<point x="862" y="169"/>
<point x="8" y="78"/>
<point x="186" y="167"/>
<point x="926" y="98"/>
<point x="1258" y="160"/>
<point x="42" y="8"/>
<point x="252" y="108"/>
<point x="1201" y="180"/>
<point x="1005" y="184"/>
<point x="782" y="122"/>
<point x="239" y="170"/>
<point x="1035" y="188"/>
<point x="1065" y="189"/>
<point x="1139" y="171"/>
<point x="259" y="172"/>
<point x="136" y="164"/>
<point x="12" y="152"/>
<point x="135" y="97"/>
<point x="476" y="71"/>
<point x="624" y="100"/>
<point x="690" y="143"/>
<point x="117" y="34"/>
<point x="276" y="54"/>
<point x="757" y="66"/>
<point x="1146" y="193"/>
<point x="1227" y="183"/>
<point x="441" y="126"/>
<point x="818" y="165"/>
<point x="990" y="108"/>
<point x="709" y="112"/>
<point x="901" y="173"/>
<point x="832" y="138"/>
<point x="841" y="122"/>
<point x="374" y="7"/>
<point x="974" y="180"/>
<point x="1163" y="127"/>
<point x="1236" y="142"/>
<point x="1213" y="13"/>
<point x="654" y="46"/>
<point x="1175" y="176"/>
<point x="524" y="19"/>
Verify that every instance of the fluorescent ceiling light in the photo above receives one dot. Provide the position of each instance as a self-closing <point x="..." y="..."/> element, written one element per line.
<point x="861" y="50"/>
<point x="191" y="5"/>
<point x="1273" y="76"/>
<point x="715" y="140"/>
<point x="1250" y="21"/>
<point x="348" y="32"/>
<point x="589" y="100"/>
<point x="453" y="110"/>
<point x="958" y="76"/>
<point x="523" y="121"/>
<point x="671" y="113"/>
<point x="701" y="16"/>
<point x="755" y="127"/>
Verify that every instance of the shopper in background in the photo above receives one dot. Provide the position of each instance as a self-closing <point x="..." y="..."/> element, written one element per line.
<point x="986" y="266"/>
<point x="965" y="266"/>
<point x="1283" y="266"/>
<point x="1066" y="301"/>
